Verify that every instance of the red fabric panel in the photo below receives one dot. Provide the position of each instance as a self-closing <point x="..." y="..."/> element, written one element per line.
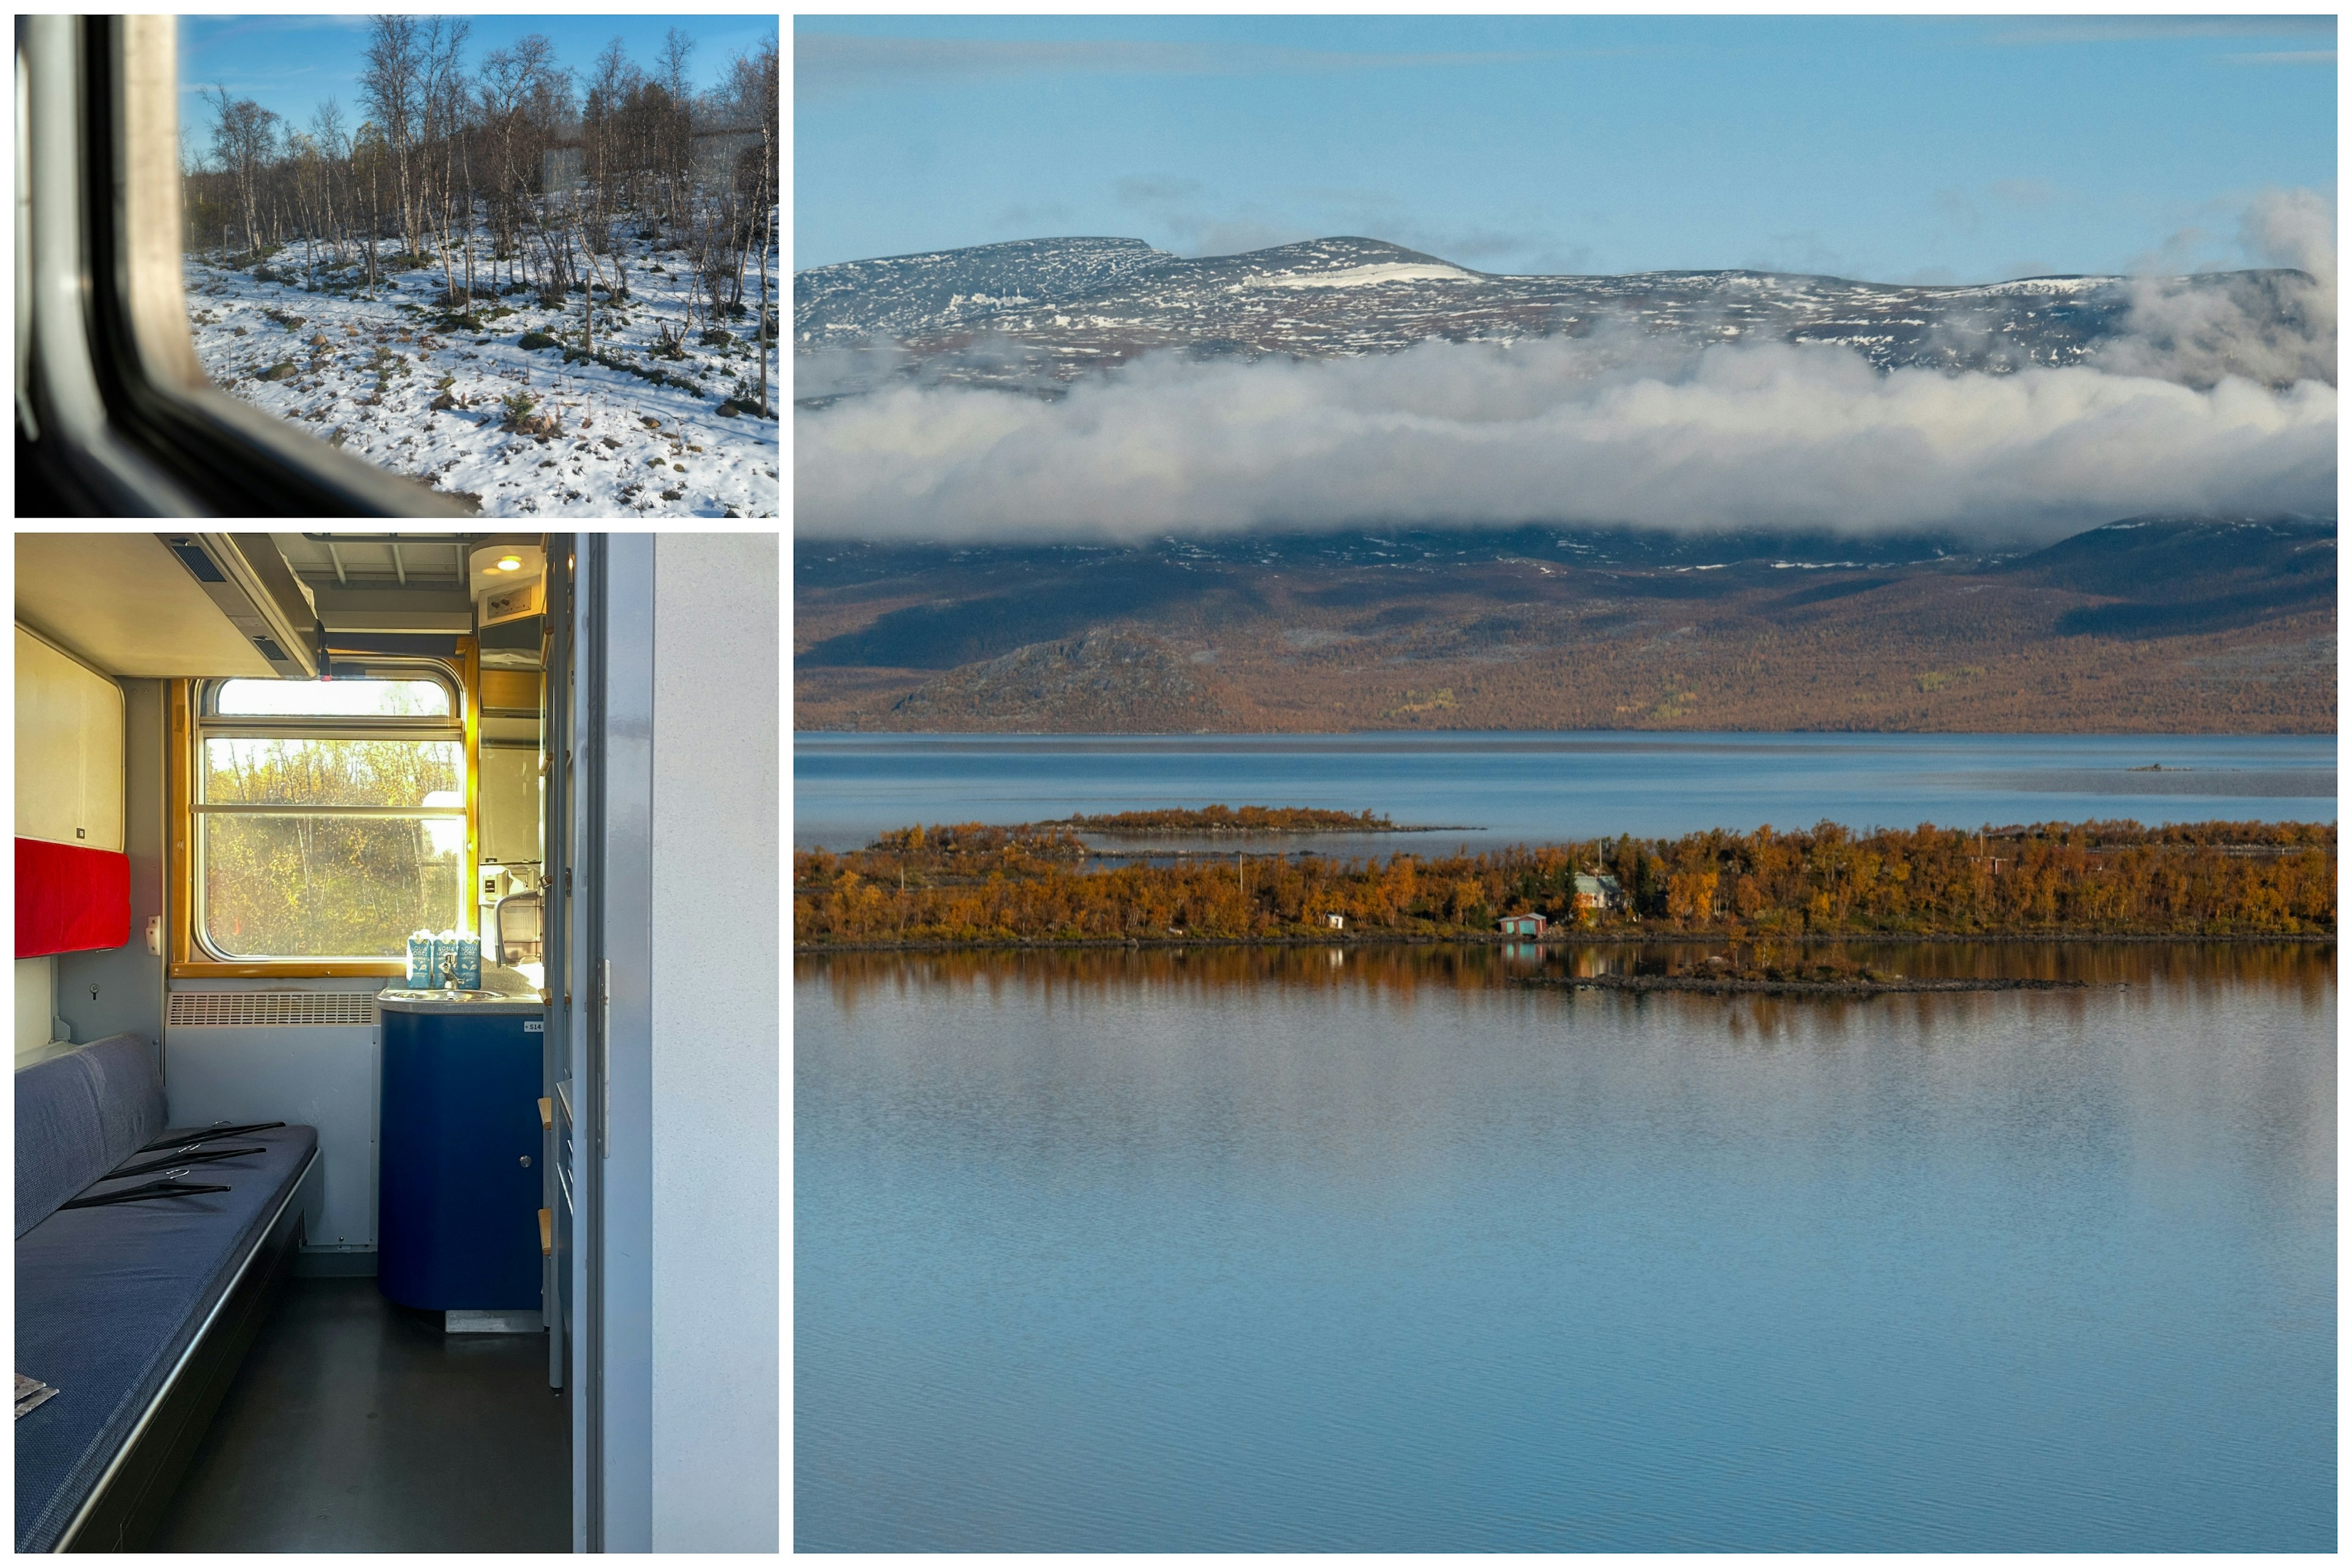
<point x="69" y="898"/>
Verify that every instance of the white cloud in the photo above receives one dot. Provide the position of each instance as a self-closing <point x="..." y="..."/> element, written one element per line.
<point x="1596" y="431"/>
<point x="2280" y="329"/>
<point x="825" y="63"/>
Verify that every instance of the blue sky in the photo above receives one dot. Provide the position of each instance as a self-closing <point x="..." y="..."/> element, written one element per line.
<point x="1931" y="150"/>
<point x="288" y="64"/>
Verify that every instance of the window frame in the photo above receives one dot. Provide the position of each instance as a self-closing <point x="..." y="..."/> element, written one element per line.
<point x="194" y="722"/>
<point x="115" y="414"/>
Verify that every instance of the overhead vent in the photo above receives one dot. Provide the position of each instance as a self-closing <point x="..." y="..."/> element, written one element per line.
<point x="248" y="579"/>
<point x="193" y="557"/>
<point x="268" y="1009"/>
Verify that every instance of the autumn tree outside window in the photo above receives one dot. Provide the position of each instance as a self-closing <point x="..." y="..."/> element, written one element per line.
<point x="330" y="816"/>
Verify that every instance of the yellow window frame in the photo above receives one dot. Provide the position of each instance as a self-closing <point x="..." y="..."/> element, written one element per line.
<point x="188" y="960"/>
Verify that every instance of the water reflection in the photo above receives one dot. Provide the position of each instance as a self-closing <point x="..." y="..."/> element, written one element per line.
<point x="1339" y="1248"/>
<point x="2308" y="968"/>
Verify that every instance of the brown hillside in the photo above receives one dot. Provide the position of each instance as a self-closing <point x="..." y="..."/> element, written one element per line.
<point x="2162" y="627"/>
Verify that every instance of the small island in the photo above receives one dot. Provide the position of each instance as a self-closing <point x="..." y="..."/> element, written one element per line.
<point x="1222" y="820"/>
<point x="981" y="885"/>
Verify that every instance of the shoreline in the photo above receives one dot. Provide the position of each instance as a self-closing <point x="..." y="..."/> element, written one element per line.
<point x="1490" y="939"/>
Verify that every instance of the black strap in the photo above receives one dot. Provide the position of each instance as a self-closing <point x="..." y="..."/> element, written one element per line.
<point x="140" y="1193"/>
<point x="193" y="1154"/>
<point x="176" y="1140"/>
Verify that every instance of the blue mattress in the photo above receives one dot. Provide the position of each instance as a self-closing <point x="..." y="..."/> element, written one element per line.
<point x="80" y="1115"/>
<point x="107" y="1302"/>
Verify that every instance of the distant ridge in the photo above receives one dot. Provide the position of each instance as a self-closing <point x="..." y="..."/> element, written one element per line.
<point x="2148" y="624"/>
<point x="1038" y="313"/>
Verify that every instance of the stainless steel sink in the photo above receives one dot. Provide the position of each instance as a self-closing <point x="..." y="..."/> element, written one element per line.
<point x="451" y="995"/>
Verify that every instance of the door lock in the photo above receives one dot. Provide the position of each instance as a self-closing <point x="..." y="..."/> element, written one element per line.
<point x="526" y="1162"/>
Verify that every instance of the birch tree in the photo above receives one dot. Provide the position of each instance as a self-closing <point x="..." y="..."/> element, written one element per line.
<point x="391" y="88"/>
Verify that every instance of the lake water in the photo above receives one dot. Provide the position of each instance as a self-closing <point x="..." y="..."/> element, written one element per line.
<point x="1305" y="1249"/>
<point x="1521" y="787"/>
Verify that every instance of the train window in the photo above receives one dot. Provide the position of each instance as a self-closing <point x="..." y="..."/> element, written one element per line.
<point x="372" y="698"/>
<point x="533" y="262"/>
<point x="330" y="816"/>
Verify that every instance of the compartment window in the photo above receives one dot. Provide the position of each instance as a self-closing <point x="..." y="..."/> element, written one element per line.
<point x="367" y="698"/>
<point x="330" y="816"/>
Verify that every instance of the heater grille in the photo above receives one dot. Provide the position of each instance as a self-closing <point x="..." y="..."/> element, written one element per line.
<point x="263" y="1009"/>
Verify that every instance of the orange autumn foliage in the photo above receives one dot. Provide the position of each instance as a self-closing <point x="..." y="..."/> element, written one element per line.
<point x="976" y="884"/>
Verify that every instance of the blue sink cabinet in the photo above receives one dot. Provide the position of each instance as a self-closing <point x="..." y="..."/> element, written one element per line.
<point x="458" y="1191"/>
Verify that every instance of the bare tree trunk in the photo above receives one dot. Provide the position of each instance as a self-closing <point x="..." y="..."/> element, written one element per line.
<point x="448" y="275"/>
<point x="375" y="222"/>
<point x="767" y="230"/>
<point x="469" y="230"/>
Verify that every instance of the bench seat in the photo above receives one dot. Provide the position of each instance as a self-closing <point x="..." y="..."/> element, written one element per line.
<point x="137" y="1312"/>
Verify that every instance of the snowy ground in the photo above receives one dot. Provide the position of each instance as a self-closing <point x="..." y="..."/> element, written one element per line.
<point x="365" y="373"/>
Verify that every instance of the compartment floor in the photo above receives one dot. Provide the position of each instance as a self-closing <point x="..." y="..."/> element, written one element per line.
<point x="357" y="1425"/>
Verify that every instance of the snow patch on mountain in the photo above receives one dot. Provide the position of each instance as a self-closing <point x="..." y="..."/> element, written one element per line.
<point x="1359" y="277"/>
<point x="1042" y="316"/>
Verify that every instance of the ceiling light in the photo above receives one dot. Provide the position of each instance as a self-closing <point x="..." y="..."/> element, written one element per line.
<point x="509" y="563"/>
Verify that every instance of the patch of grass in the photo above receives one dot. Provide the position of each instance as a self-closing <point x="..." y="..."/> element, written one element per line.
<point x="518" y="405"/>
<point x="536" y="339"/>
<point x="630" y="367"/>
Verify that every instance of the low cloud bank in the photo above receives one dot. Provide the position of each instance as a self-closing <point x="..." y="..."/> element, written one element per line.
<point x="1593" y="431"/>
<point x="2278" y="328"/>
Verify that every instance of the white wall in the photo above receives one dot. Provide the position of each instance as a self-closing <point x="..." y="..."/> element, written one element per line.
<point x="37" y="999"/>
<point x="717" y="1043"/>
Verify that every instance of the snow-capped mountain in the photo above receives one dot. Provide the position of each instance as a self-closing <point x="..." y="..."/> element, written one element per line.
<point x="1040" y="312"/>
